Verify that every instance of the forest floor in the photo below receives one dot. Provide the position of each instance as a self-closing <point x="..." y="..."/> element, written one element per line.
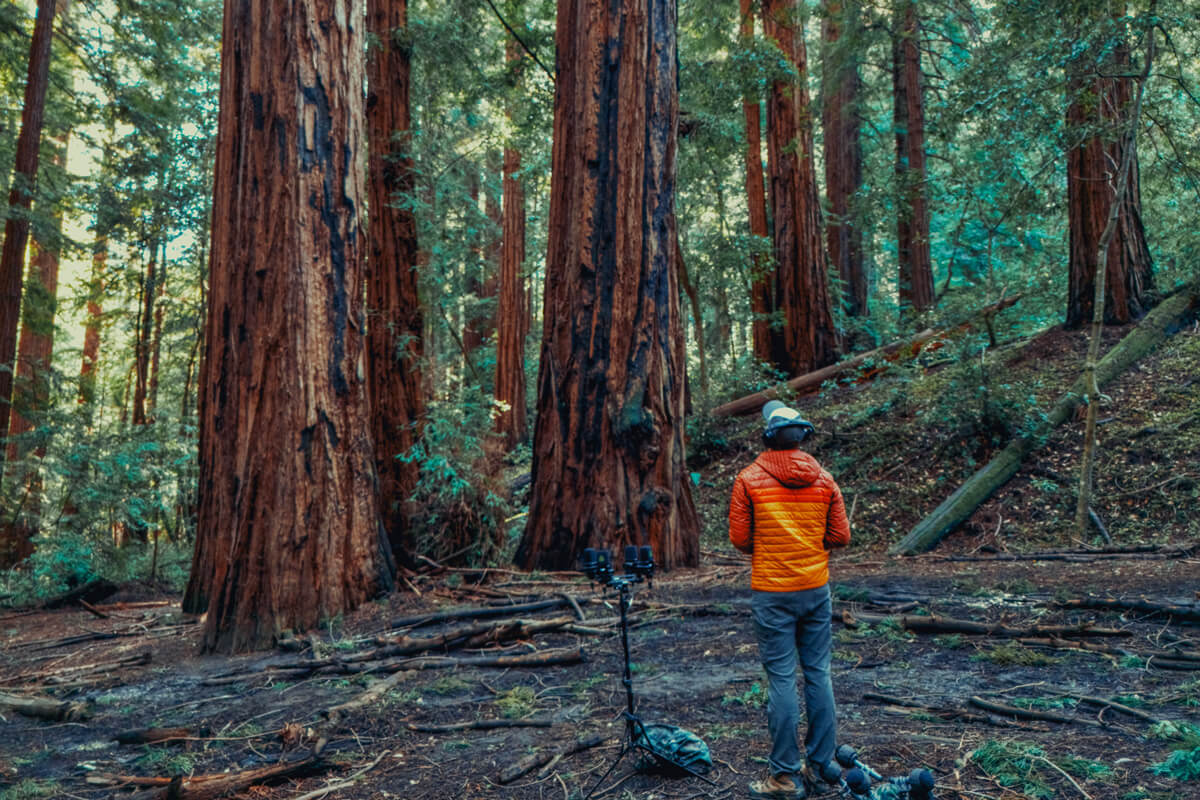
<point x="898" y="446"/>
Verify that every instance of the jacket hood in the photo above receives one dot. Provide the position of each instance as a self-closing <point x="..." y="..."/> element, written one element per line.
<point x="793" y="468"/>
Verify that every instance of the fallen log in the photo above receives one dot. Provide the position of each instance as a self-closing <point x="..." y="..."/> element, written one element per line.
<point x="1029" y="713"/>
<point x="541" y="658"/>
<point x="486" y="612"/>
<point x="44" y="708"/>
<point x="958" y="507"/>
<point x="535" y="760"/>
<point x="1141" y="553"/>
<point x="811" y="381"/>
<point x="918" y="623"/>
<point x="1189" y="614"/>
<point x="480" y="725"/>
<point x="93" y="592"/>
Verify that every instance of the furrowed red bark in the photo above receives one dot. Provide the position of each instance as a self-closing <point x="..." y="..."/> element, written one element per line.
<point x="395" y="324"/>
<point x="1104" y="103"/>
<point x="608" y="451"/>
<point x="512" y="315"/>
<point x="807" y="339"/>
<point x="912" y="221"/>
<point x="20" y="200"/>
<point x="761" y="301"/>
<point x="843" y="151"/>
<point x="289" y="532"/>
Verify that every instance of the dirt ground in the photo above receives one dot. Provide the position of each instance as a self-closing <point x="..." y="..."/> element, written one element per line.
<point x="905" y="700"/>
<point x="695" y="666"/>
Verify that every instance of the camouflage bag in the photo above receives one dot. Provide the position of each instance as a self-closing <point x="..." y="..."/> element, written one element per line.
<point x="678" y="745"/>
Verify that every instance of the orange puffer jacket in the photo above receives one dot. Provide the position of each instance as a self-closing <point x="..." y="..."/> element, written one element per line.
<point x="787" y="512"/>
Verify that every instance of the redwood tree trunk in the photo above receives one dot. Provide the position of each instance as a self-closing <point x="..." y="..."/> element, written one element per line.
<point x="761" y="302"/>
<point x="843" y="151"/>
<point x="91" y="327"/>
<point x="608" y="450"/>
<point x="807" y="339"/>
<point x="289" y="531"/>
<point x="142" y="344"/>
<point x="20" y="200"/>
<point x="395" y="327"/>
<point x="1103" y="102"/>
<point x="912" y="222"/>
<point x="512" y="316"/>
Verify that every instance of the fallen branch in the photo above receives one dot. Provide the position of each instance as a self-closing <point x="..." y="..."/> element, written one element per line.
<point x="811" y="381"/>
<point x="211" y="787"/>
<point x="945" y="712"/>
<point x="535" y="760"/>
<point x="935" y="624"/>
<point x="92" y="592"/>
<point x="158" y="735"/>
<point x="44" y="708"/>
<point x="1028" y="713"/>
<point x="958" y="507"/>
<point x="1141" y="553"/>
<point x="1189" y="614"/>
<point x="480" y="724"/>
<point x="376" y="690"/>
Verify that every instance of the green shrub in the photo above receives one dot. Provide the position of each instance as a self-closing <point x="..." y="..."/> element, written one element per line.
<point x="1182" y="765"/>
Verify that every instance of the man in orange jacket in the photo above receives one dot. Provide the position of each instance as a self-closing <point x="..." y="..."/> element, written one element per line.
<point x="787" y="513"/>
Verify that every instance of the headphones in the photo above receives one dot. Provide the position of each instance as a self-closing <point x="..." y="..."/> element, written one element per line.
<point x="779" y="417"/>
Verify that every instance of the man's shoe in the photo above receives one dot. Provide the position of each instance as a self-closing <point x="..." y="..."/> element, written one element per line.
<point x="777" y="787"/>
<point x="816" y="780"/>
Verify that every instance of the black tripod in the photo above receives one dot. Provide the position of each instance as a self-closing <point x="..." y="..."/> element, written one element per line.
<point x="640" y="567"/>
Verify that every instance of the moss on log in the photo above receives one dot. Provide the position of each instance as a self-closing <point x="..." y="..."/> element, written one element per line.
<point x="955" y="509"/>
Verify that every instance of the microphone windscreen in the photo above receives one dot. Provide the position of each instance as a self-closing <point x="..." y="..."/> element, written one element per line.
<point x="858" y="781"/>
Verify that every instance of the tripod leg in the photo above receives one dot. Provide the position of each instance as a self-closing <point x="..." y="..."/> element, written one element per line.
<point x="625" y="748"/>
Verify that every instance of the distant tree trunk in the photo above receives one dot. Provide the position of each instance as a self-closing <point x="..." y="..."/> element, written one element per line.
<point x="608" y="450"/>
<point x="91" y="327"/>
<point x="807" y="339"/>
<point x="20" y="200"/>
<point x="693" y="295"/>
<point x="762" y="304"/>
<point x="141" y="350"/>
<point x="395" y="330"/>
<point x="156" y="343"/>
<point x="843" y="152"/>
<point x="1098" y="113"/>
<point x="912" y="222"/>
<point x="288" y="531"/>
<point x="512" y="316"/>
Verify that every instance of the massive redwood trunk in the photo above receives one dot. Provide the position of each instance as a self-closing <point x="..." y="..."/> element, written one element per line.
<point x="20" y="200"/>
<point x="807" y="339"/>
<point x="840" y="84"/>
<point x="1097" y="115"/>
<point x="608" y="450"/>
<point x="512" y="315"/>
<point x="761" y="301"/>
<point x="912" y="221"/>
<point x="395" y="324"/>
<point x="289" y="532"/>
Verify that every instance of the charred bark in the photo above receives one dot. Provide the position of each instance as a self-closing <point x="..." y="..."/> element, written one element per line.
<point x="841" y="85"/>
<point x="608" y="450"/>
<point x="912" y="222"/>
<point x="807" y="339"/>
<point x="288" y="524"/>
<point x="762" y="303"/>
<point x="20" y="200"/>
<point x="395" y="326"/>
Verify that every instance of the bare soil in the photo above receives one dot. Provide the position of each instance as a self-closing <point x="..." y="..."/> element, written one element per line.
<point x="695" y="661"/>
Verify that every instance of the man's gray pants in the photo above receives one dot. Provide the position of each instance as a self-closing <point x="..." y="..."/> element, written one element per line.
<point x="787" y="623"/>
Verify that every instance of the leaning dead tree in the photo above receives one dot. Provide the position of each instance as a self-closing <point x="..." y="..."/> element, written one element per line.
<point x="955" y="509"/>
<point x="608" y="449"/>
